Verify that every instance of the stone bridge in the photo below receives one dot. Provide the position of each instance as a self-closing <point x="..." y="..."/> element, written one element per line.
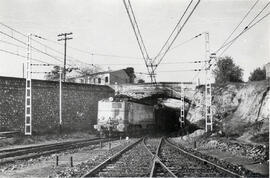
<point x="148" y="91"/>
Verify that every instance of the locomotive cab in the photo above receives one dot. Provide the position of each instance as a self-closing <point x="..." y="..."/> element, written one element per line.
<point x="116" y="117"/>
<point x="111" y="117"/>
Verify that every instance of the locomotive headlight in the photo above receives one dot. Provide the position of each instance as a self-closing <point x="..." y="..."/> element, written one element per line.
<point x="97" y="127"/>
<point x="101" y="118"/>
<point x="121" y="127"/>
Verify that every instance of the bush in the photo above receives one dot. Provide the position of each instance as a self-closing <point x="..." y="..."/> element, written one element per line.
<point x="257" y="75"/>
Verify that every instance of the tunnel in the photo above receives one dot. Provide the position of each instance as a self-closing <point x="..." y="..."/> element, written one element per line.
<point x="167" y="121"/>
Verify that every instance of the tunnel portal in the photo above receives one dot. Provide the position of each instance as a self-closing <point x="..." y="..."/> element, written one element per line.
<point x="167" y="119"/>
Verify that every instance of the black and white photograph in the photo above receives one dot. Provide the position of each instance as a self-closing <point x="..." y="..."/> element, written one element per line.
<point x="134" y="88"/>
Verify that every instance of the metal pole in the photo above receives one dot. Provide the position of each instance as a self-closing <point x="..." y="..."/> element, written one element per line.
<point x="60" y="99"/>
<point x="182" y="106"/>
<point x="208" y="92"/>
<point x="71" y="161"/>
<point x="57" y="160"/>
<point x="109" y="128"/>
<point x="22" y="70"/>
<point x="28" y="91"/>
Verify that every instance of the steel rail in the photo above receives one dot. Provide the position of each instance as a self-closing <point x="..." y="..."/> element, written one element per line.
<point x="156" y="160"/>
<point x="201" y="159"/>
<point x="33" y="155"/>
<point x="159" y="145"/>
<point x="153" y="158"/>
<point x="144" y="144"/>
<point x="163" y="165"/>
<point x="93" y="171"/>
<point x="43" y="145"/>
<point x="11" y="155"/>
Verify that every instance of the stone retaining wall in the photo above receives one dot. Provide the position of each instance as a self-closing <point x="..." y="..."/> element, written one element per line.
<point x="79" y="105"/>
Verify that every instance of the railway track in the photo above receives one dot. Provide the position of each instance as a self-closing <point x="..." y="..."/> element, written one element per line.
<point x="158" y="168"/>
<point x="23" y="153"/>
<point x="155" y="157"/>
<point x="171" y="161"/>
<point x="152" y="144"/>
<point x="133" y="160"/>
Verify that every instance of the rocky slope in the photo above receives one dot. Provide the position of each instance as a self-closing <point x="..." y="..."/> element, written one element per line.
<point x="239" y="109"/>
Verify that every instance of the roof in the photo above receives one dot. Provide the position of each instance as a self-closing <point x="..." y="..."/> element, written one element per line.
<point x="98" y="73"/>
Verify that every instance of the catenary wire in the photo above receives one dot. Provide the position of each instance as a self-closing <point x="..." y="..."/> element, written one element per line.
<point x="30" y="46"/>
<point x="179" y="21"/>
<point x="13" y="53"/>
<point x="192" y="11"/>
<point x="246" y="28"/>
<point x="239" y="24"/>
<point x="229" y="44"/>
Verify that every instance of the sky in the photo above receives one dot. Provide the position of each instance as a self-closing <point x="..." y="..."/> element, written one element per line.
<point x="103" y="36"/>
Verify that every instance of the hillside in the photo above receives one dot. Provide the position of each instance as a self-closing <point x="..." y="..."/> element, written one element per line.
<point x="240" y="110"/>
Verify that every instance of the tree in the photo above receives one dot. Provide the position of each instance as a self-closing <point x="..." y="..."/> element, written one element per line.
<point x="130" y="73"/>
<point x="89" y="70"/>
<point x="227" y="71"/>
<point x="258" y="74"/>
<point x="141" y="81"/>
<point x="54" y="74"/>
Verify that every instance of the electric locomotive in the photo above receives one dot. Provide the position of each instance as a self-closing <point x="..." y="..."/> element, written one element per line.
<point x="116" y="117"/>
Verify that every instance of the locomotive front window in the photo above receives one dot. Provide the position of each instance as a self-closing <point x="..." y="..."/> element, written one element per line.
<point x="116" y="105"/>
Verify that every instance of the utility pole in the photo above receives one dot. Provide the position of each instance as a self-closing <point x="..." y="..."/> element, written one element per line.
<point x="208" y="92"/>
<point x="60" y="99"/>
<point x="65" y="38"/>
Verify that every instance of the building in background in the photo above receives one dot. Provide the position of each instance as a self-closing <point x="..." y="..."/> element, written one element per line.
<point x="106" y="78"/>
